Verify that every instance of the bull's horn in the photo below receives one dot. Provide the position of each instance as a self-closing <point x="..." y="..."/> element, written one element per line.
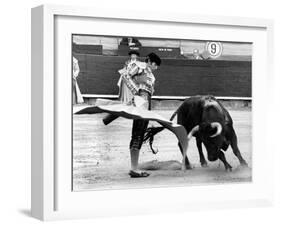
<point x="219" y="128"/>
<point x="194" y="130"/>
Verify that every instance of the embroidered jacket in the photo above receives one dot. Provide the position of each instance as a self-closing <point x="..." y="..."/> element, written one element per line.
<point x="138" y="77"/>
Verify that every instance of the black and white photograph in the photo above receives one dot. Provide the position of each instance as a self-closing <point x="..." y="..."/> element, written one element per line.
<point x="140" y="113"/>
<point x="151" y="112"/>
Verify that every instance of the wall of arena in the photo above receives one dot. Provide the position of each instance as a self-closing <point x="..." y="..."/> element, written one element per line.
<point x="175" y="78"/>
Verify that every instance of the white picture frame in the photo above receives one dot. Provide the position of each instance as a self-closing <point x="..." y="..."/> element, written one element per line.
<point x="52" y="197"/>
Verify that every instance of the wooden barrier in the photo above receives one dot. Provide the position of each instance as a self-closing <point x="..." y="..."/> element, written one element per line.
<point x="87" y="49"/>
<point x="176" y="77"/>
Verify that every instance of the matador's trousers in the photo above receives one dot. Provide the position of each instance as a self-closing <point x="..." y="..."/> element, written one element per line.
<point x="140" y="125"/>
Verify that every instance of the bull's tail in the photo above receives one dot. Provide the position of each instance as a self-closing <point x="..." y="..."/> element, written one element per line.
<point x="152" y="131"/>
<point x="149" y="136"/>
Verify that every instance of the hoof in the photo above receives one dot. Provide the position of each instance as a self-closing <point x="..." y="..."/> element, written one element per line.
<point x="243" y="167"/>
<point x="204" y="164"/>
<point x="189" y="167"/>
<point x="136" y="174"/>
<point x="228" y="169"/>
<point x="244" y="164"/>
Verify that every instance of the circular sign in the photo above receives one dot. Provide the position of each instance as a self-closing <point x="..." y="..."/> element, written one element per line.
<point x="214" y="49"/>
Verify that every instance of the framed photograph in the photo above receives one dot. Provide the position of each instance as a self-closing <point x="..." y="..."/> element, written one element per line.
<point x="142" y="112"/>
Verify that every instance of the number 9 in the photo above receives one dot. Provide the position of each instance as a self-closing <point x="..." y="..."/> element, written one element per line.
<point x="213" y="48"/>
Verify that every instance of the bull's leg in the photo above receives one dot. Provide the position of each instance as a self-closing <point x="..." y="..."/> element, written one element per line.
<point x="236" y="151"/>
<point x="201" y="155"/>
<point x="186" y="162"/>
<point x="226" y="164"/>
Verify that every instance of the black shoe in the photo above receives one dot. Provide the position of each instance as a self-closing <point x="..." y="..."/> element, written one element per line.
<point x="135" y="174"/>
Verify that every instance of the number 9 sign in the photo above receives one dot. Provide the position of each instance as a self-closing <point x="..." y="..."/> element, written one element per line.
<point x="214" y="49"/>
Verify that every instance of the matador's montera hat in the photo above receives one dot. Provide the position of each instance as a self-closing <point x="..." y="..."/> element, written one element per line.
<point x="154" y="58"/>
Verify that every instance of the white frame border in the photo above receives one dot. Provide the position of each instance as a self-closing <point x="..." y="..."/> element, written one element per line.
<point x="43" y="120"/>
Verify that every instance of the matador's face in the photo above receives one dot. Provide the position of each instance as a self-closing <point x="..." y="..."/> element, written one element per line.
<point x="134" y="56"/>
<point x="153" y="66"/>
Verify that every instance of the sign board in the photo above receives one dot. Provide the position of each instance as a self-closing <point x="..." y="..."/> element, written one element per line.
<point x="163" y="52"/>
<point x="214" y="49"/>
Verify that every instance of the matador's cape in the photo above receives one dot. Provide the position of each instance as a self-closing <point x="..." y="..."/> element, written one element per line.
<point x="132" y="112"/>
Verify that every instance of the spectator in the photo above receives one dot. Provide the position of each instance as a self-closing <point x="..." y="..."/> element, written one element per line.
<point x="130" y="41"/>
<point x="76" y="94"/>
<point x="196" y="54"/>
<point x="125" y="94"/>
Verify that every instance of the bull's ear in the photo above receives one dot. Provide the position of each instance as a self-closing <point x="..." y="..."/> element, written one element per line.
<point x="206" y="129"/>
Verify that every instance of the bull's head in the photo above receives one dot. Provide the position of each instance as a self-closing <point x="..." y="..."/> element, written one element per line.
<point x="211" y="135"/>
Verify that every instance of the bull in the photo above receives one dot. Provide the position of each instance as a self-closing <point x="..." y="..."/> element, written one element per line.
<point x="206" y="119"/>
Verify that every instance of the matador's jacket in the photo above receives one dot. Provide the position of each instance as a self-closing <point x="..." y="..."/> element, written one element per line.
<point x="139" y="78"/>
<point x="140" y="81"/>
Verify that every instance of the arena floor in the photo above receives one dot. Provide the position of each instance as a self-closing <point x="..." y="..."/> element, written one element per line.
<point x="101" y="156"/>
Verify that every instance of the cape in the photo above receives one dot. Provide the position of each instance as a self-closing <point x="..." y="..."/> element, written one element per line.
<point x="132" y="112"/>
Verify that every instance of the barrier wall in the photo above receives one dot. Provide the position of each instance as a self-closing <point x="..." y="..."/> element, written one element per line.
<point x="176" y="77"/>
